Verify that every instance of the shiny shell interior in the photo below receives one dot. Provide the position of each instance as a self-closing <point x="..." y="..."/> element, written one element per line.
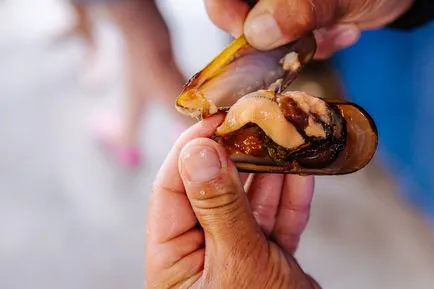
<point x="335" y="137"/>
<point x="241" y="69"/>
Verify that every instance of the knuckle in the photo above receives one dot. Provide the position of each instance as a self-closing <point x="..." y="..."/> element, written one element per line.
<point x="304" y="21"/>
<point x="158" y="186"/>
<point x="296" y="208"/>
<point x="297" y="15"/>
<point x="215" y="194"/>
<point x="264" y="210"/>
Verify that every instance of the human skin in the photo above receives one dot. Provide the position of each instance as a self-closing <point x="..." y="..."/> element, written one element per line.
<point x="336" y="23"/>
<point x="207" y="226"/>
<point x="206" y="229"/>
<point x="151" y="68"/>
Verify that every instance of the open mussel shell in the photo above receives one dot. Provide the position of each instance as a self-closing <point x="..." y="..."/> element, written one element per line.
<point x="358" y="146"/>
<point x="317" y="137"/>
<point x="240" y="69"/>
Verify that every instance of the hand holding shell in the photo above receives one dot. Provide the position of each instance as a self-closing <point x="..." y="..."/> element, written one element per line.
<point x="269" y="128"/>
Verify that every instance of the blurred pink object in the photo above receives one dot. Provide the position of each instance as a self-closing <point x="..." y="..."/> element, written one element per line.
<point x="106" y="128"/>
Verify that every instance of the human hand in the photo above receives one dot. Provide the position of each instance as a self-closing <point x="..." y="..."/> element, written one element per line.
<point x="206" y="231"/>
<point x="272" y="23"/>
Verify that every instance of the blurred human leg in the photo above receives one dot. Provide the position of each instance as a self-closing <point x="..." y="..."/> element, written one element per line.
<point x="82" y="26"/>
<point x="91" y="66"/>
<point x="151" y="71"/>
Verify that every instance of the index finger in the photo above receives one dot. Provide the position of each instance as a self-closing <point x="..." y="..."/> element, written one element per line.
<point x="294" y="210"/>
<point x="170" y="213"/>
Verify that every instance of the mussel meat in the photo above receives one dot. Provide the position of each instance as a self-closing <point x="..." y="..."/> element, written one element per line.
<point x="269" y="128"/>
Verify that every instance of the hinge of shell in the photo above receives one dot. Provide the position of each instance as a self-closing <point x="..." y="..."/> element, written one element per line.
<point x="277" y="87"/>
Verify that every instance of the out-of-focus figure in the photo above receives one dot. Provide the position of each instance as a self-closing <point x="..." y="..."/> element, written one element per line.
<point x="151" y="71"/>
<point x="83" y="28"/>
<point x="83" y="23"/>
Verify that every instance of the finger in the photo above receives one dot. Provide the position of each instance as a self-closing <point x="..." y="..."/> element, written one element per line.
<point x="229" y="15"/>
<point x="332" y="39"/>
<point x="272" y="23"/>
<point x="180" y="259"/>
<point x="170" y="214"/>
<point x="264" y="195"/>
<point x="293" y="211"/>
<point x="218" y="200"/>
<point x="172" y="242"/>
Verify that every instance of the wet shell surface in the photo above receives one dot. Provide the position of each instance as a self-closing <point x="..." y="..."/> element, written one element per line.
<point x="239" y="70"/>
<point x="267" y="127"/>
<point x="296" y="133"/>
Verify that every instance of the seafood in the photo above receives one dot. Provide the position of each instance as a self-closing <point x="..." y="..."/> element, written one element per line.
<point x="268" y="127"/>
<point x="239" y="70"/>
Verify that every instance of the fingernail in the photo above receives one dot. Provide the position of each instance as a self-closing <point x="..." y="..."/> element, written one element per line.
<point x="347" y="36"/>
<point x="201" y="163"/>
<point x="264" y="30"/>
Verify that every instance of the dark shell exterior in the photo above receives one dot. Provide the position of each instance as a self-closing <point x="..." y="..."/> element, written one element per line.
<point x="240" y="70"/>
<point x="359" y="147"/>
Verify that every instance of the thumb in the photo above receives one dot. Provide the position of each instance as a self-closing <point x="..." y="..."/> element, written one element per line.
<point x="217" y="198"/>
<point x="272" y="23"/>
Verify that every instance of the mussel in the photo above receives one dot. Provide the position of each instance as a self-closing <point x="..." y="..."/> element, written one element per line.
<point x="240" y="69"/>
<point x="268" y="127"/>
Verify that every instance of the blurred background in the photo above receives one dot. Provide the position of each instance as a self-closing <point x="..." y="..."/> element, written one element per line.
<point x="87" y="117"/>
